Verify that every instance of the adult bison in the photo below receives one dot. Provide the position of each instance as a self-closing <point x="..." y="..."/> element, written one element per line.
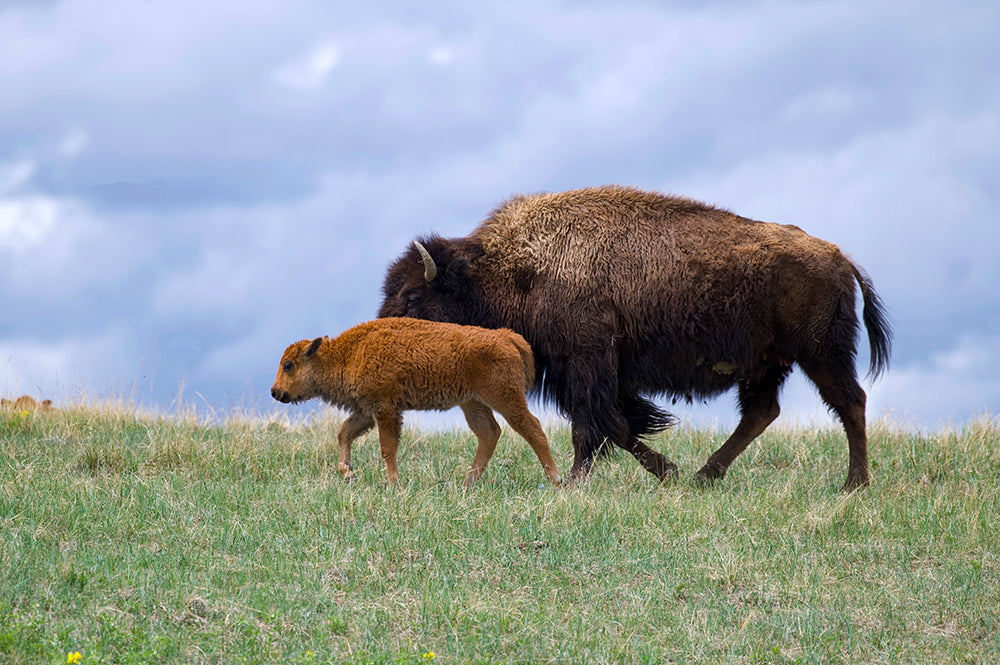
<point x="625" y="294"/>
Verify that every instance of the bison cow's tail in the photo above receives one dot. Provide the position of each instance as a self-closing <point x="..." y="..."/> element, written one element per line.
<point x="876" y="322"/>
<point x="527" y="357"/>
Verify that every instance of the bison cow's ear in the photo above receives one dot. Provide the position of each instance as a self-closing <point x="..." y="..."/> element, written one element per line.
<point x="314" y="347"/>
<point x="457" y="272"/>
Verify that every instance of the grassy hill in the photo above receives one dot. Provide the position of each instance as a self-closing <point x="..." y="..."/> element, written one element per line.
<point x="135" y="539"/>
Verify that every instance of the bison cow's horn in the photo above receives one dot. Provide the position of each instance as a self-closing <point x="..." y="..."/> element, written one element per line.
<point x="430" y="269"/>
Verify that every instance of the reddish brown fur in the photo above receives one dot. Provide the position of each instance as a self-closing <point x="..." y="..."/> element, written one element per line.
<point x="27" y="403"/>
<point x="377" y="370"/>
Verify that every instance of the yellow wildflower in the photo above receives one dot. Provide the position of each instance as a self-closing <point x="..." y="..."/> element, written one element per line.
<point x="73" y="657"/>
<point x="429" y="656"/>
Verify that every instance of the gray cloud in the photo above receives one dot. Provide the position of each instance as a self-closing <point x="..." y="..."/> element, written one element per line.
<point x="187" y="188"/>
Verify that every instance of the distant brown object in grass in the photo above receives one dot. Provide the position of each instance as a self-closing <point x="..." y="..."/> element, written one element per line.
<point x="27" y="403"/>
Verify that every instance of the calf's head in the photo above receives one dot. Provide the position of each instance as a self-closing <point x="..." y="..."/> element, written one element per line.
<point x="296" y="380"/>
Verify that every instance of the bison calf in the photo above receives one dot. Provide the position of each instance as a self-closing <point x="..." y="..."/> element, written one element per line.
<point x="379" y="369"/>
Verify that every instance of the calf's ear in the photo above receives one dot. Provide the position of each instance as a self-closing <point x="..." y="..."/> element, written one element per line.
<point x="314" y="347"/>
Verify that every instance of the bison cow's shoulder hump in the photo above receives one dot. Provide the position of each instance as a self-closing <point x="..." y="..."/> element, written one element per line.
<point x="576" y="235"/>
<point x="595" y="210"/>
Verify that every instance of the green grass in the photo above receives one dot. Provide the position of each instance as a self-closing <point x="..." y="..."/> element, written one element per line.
<point x="149" y="540"/>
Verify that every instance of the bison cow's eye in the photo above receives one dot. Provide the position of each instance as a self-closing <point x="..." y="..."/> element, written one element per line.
<point x="412" y="300"/>
<point x="288" y="366"/>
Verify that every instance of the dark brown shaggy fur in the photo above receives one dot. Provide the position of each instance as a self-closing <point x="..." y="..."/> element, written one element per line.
<point x="625" y="294"/>
<point x="379" y="369"/>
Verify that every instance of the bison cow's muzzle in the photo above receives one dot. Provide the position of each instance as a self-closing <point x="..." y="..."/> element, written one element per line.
<point x="281" y="395"/>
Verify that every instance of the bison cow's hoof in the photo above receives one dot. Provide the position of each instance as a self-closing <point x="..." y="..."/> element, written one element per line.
<point x="580" y="471"/>
<point x="574" y="480"/>
<point x="855" y="483"/>
<point x="708" y="475"/>
<point x="668" y="473"/>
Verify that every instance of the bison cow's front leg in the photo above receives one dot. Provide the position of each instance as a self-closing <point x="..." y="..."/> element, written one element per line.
<point x="354" y="426"/>
<point x="586" y="443"/>
<point x="597" y="418"/>
<point x="587" y="397"/>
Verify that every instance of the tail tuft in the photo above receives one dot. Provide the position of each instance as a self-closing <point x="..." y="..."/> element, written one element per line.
<point x="877" y="323"/>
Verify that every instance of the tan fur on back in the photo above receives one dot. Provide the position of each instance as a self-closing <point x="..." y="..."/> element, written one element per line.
<point x="412" y="364"/>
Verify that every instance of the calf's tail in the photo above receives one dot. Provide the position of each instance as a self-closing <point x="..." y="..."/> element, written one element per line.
<point x="876" y="322"/>
<point x="527" y="358"/>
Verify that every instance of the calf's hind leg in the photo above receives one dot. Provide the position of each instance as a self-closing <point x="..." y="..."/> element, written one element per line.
<point x="487" y="431"/>
<point x="390" y="426"/>
<point x="514" y="408"/>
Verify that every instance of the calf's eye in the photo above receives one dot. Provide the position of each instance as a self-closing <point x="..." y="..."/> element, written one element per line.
<point x="288" y="366"/>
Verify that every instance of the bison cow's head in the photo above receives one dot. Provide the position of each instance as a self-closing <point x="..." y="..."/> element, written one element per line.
<point x="435" y="279"/>
<point x="295" y="381"/>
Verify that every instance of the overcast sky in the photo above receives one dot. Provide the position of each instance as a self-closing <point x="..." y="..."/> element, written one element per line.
<point x="186" y="187"/>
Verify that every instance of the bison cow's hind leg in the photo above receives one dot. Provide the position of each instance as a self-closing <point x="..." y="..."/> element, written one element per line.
<point x="841" y="391"/>
<point x="759" y="408"/>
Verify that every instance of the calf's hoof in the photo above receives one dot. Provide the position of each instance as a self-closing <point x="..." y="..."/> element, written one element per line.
<point x="473" y="476"/>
